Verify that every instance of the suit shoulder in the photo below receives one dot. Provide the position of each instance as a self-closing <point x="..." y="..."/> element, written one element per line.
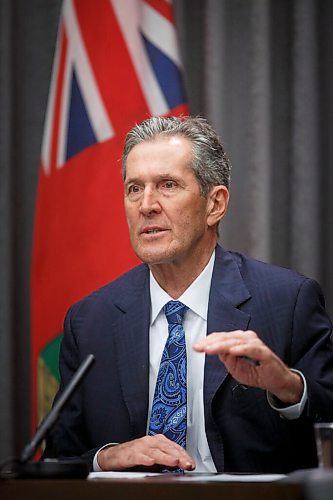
<point x="270" y="275"/>
<point x="273" y="285"/>
<point x="122" y="286"/>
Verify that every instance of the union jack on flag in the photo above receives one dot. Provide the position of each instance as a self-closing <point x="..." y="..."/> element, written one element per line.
<point x="116" y="63"/>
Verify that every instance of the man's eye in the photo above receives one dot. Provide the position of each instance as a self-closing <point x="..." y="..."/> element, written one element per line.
<point x="133" y="189"/>
<point x="169" y="184"/>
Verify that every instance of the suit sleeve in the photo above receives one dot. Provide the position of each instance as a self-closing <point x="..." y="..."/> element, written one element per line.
<point x="312" y="349"/>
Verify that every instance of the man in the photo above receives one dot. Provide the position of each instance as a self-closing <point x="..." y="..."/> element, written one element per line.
<point x="258" y="341"/>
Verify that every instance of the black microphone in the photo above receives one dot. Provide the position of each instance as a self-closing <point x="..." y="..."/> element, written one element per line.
<point x="51" y="468"/>
<point x="51" y="418"/>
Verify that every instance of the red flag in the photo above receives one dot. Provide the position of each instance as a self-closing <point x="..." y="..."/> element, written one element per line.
<point x="116" y="63"/>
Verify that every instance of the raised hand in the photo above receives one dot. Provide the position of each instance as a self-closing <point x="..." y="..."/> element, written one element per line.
<point x="270" y="373"/>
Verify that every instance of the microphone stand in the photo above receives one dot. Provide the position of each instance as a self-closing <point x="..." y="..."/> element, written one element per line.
<point x="51" y="468"/>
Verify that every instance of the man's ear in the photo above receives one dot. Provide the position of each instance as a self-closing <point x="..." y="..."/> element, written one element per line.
<point x="217" y="204"/>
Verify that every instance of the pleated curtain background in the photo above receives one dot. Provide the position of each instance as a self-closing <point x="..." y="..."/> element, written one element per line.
<point x="260" y="70"/>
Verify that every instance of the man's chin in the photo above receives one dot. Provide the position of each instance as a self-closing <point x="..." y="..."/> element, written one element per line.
<point x="155" y="261"/>
<point x="154" y="258"/>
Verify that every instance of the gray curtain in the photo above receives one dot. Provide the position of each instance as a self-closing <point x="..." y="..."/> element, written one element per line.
<point x="260" y="70"/>
<point x="28" y="34"/>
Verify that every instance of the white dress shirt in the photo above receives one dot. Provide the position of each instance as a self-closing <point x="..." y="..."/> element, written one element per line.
<point x="195" y="326"/>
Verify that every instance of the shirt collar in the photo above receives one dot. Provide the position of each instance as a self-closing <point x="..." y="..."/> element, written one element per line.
<point x="195" y="297"/>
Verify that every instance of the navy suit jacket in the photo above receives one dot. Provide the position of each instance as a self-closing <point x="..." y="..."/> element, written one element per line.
<point x="244" y="433"/>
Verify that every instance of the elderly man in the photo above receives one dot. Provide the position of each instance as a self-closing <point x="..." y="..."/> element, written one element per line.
<point x="206" y="360"/>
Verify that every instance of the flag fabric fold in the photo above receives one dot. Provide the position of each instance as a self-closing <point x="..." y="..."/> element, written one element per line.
<point x="116" y="63"/>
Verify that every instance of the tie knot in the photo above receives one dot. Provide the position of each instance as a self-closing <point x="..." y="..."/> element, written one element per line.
<point x="174" y="311"/>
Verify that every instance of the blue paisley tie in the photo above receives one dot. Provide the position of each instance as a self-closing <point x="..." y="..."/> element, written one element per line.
<point x="168" y="415"/>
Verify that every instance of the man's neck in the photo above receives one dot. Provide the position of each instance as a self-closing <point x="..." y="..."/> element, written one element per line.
<point x="175" y="278"/>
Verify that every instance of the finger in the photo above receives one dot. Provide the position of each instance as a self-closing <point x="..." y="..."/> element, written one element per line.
<point x="219" y="346"/>
<point x="252" y="351"/>
<point x="224" y="339"/>
<point x="210" y="345"/>
<point x="163" y="451"/>
<point x="211" y="338"/>
<point x="172" y="450"/>
<point x="172" y="460"/>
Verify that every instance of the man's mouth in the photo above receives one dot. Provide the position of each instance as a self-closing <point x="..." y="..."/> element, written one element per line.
<point x="152" y="230"/>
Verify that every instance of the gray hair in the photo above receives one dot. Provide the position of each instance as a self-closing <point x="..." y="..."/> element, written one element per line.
<point x="210" y="163"/>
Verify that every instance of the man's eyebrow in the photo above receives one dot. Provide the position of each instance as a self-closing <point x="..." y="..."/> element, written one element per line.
<point x="156" y="178"/>
<point x="133" y="180"/>
<point x="168" y="176"/>
<point x="128" y="181"/>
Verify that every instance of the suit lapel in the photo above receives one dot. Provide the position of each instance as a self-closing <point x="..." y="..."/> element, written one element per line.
<point x="132" y="347"/>
<point x="228" y="292"/>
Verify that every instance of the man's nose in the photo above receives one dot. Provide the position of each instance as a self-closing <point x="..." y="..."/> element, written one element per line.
<point x="149" y="202"/>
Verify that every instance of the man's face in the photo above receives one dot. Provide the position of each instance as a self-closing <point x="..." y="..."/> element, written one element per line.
<point x="166" y="215"/>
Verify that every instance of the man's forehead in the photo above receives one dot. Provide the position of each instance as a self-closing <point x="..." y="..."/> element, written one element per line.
<point x="165" y="140"/>
<point x="162" y="148"/>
